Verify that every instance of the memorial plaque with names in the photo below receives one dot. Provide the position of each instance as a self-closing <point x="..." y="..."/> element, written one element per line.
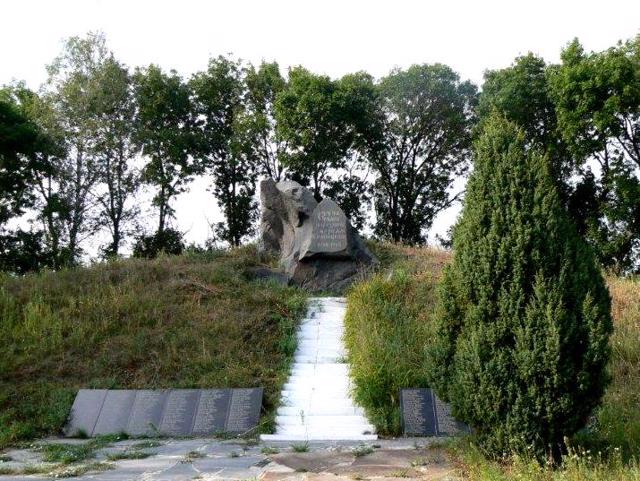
<point x="175" y="412"/>
<point x="211" y="415"/>
<point x="244" y="410"/>
<point x="329" y="228"/>
<point x="423" y="414"/>
<point x="114" y="415"/>
<point x="179" y="411"/>
<point x="146" y="412"/>
<point x="85" y="411"/>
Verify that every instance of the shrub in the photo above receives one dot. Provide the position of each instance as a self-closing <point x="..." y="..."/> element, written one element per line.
<point x="523" y="320"/>
<point x="168" y="241"/>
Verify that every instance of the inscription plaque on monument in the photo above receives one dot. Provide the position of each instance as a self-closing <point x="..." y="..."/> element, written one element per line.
<point x="423" y="414"/>
<point x="146" y="412"/>
<point x="114" y="415"/>
<point x="211" y="415"/>
<point x="179" y="411"/>
<point x="85" y="411"/>
<point x="244" y="410"/>
<point x="329" y="228"/>
<point x="175" y="412"/>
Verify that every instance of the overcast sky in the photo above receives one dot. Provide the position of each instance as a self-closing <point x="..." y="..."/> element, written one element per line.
<point x="327" y="36"/>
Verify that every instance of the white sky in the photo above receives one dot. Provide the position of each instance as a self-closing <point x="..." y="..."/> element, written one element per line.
<point x="326" y="36"/>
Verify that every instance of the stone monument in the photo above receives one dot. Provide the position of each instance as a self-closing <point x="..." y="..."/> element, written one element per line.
<point x="318" y="247"/>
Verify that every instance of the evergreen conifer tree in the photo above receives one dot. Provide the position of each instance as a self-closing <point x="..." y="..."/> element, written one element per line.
<point x="523" y="322"/>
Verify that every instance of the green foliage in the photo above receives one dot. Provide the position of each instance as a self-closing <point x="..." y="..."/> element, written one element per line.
<point x="226" y="143"/>
<point x="165" y="133"/>
<point x="169" y="241"/>
<point x="115" y="110"/>
<point x="264" y="84"/>
<point x="180" y="322"/>
<point x="524" y="314"/>
<point x="426" y="134"/>
<point x="387" y="325"/>
<point x="18" y="138"/>
<point x="597" y="98"/>
<point x="522" y="94"/>
<point x="327" y="125"/>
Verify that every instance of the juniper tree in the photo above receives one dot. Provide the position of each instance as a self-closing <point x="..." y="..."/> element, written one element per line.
<point x="523" y="320"/>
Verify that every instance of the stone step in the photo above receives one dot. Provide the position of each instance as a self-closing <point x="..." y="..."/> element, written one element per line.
<point x="315" y="420"/>
<point x="314" y="385"/>
<point x="318" y="437"/>
<point x="340" y="432"/>
<point x="316" y="402"/>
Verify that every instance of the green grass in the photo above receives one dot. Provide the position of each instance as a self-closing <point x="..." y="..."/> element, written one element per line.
<point x="129" y="455"/>
<point x="66" y="453"/>
<point x="362" y="450"/>
<point x="192" y="321"/>
<point x="388" y="324"/>
<point x="300" y="447"/>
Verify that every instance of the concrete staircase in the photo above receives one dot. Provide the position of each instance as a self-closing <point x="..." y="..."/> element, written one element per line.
<point x="316" y="400"/>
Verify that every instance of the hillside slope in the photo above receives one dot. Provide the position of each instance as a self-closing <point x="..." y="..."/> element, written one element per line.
<point x="388" y="323"/>
<point x="181" y="322"/>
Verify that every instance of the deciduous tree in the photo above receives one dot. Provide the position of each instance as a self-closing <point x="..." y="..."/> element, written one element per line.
<point x="426" y="135"/>
<point x="165" y="133"/>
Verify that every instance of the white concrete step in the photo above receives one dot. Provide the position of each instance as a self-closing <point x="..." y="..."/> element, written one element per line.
<point x="316" y="402"/>
<point x="315" y="420"/>
<point x="343" y="432"/>
<point x="317" y="437"/>
<point x="320" y="411"/>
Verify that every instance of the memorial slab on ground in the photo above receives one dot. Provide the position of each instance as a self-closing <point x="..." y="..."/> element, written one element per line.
<point x="424" y="414"/>
<point x="174" y="412"/>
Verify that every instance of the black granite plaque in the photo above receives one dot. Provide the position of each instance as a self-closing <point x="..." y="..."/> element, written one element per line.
<point x="244" y="410"/>
<point x="114" y="415"/>
<point x="146" y="412"/>
<point x="329" y="227"/>
<point x="423" y="414"/>
<point x="179" y="412"/>
<point x="211" y="414"/>
<point x="85" y="411"/>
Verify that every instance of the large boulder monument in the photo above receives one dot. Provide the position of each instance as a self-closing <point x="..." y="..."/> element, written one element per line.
<point x="317" y="246"/>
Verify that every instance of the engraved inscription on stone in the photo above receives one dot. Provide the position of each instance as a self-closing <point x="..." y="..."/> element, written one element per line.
<point x="114" y="415"/>
<point x="84" y="412"/>
<point x="329" y="227"/>
<point x="211" y="414"/>
<point x="425" y="415"/>
<point x="244" y="410"/>
<point x="146" y="412"/>
<point x="179" y="411"/>
<point x="447" y="424"/>
<point x="417" y="412"/>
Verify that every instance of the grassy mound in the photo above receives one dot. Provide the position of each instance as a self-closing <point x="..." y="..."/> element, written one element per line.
<point x="389" y="321"/>
<point x="191" y="321"/>
<point x="387" y="325"/>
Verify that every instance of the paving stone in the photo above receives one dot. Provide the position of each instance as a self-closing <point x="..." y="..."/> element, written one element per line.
<point x="177" y="472"/>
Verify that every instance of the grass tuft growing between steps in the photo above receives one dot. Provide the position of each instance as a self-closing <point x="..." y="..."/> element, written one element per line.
<point x="192" y="321"/>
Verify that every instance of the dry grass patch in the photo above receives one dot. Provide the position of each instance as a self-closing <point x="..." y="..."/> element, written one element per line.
<point x="192" y="321"/>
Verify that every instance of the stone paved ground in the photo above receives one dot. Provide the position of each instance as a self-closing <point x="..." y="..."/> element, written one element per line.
<point x="207" y="459"/>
